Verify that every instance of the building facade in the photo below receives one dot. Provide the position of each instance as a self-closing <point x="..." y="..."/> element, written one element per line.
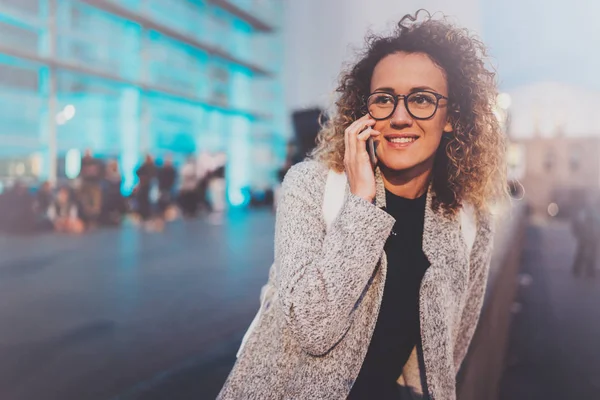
<point x="559" y="172"/>
<point x="130" y="77"/>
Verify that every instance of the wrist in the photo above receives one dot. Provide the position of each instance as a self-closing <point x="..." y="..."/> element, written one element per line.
<point x="365" y="196"/>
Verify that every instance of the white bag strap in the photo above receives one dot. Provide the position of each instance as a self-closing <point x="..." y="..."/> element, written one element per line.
<point x="468" y="226"/>
<point x="335" y="193"/>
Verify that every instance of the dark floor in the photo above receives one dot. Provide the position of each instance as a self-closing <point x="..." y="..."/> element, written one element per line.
<point x="123" y="314"/>
<point x="554" y="351"/>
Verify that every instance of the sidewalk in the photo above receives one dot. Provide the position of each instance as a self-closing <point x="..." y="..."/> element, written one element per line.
<point x="128" y="314"/>
<point x="554" y="349"/>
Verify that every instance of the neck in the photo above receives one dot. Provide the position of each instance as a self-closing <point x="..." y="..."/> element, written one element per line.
<point x="410" y="184"/>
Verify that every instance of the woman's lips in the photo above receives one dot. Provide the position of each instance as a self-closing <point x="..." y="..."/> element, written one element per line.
<point x="400" y="141"/>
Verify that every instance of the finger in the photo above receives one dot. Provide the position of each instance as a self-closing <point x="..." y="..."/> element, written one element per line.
<point x="361" y="142"/>
<point x="351" y="145"/>
<point x="350" y="138"/>
<point x="351" y="132"/>
<point x="346" y="146"/>
<point x="367" y="133"/>
<point x="358" y="124"/>
<point x="361" y="126"/>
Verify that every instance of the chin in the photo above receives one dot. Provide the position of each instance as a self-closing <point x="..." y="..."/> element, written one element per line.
<point x="400" y="164"/>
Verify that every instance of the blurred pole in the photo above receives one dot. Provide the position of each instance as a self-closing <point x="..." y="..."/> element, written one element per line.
<point x="133" y="122"/>
<point x="52" y="109"/>
<point x="52" y="145"/>
<point x="144" y="73"/>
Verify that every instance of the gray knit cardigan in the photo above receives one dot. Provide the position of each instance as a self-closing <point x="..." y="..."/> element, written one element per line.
<point x="314" y="332"/>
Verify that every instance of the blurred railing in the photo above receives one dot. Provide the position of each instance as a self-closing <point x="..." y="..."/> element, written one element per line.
<point x="256" y="12"/>
<point x="481" y="371"/>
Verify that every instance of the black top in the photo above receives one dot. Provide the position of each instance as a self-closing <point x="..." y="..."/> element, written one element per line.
<point x="43" y="201"/>
<point x="166" y="175"/>
<point x="92" y="169"/>
<point x="398" y="329"/>
<point x="146" y="173"/>
<point x="219" y="172"/>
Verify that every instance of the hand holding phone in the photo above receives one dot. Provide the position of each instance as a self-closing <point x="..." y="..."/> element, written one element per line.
<point x="360" y="157"/>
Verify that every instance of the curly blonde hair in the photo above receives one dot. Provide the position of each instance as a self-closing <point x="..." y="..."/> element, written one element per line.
<point x="470" y="162"/>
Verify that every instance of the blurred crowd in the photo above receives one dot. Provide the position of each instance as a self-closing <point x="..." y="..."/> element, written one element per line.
<point x="95" y="198"/>
<point x="586" y="229"/>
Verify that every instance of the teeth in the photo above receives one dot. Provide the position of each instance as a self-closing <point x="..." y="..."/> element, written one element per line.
<point x="402" y="140"/>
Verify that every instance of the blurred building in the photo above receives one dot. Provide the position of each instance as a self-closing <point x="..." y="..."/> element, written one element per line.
<point x="559" y="172"/>
<point x="126" y="77"/>
<point x="550" y="107"/>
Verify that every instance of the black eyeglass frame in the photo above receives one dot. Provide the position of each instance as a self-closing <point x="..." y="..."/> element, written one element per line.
<point x="405" y="98"/>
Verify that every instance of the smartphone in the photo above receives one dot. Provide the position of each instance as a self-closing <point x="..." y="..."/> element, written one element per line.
<point x="372" y="154"/>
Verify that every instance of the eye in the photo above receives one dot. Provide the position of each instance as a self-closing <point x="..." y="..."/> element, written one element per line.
<point x="382" y="99"/>
<point x="422" y="99"/>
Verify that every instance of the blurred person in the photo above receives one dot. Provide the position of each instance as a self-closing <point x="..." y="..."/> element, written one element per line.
<point x="114" y="202"/>
<point x="146" y="174"/>
<point x="18" y="207"/>
<point x="3" y="207"/>
<point x="166" y="177"/>
<point x="204" y="169"/>
<point x="217" y="187"/>
<point x="90" y="191"/>
<point x="44" y="198"/>
<point x="594" y="264"/>
<point x="586" y="229"/>
<point x="188" y="201"/>
<point x="64" y="213"/>
<point x="383" y="303"/>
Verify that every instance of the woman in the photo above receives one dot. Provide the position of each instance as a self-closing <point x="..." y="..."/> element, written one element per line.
<point x="64" y="213"/>
<point x="114" y="204"/>
<point x="187" y="190"/>
<point x="146" y="174"/>
<point x="383" y="304"/>
<point x="43" y="200"/>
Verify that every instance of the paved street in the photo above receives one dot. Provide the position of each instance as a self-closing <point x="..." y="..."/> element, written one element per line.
<point x="122" y="314"/>
<point x="555" y="339"/>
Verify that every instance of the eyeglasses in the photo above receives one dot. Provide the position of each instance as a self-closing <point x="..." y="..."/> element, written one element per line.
<point x="420" y="105"/>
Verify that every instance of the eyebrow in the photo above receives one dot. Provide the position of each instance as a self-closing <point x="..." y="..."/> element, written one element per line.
<point x="414" y="89"/>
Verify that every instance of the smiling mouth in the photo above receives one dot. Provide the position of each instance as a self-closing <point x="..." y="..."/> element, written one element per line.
<point x="401" y="139"/>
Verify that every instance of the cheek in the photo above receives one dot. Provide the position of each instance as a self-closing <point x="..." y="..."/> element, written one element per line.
<point x="433" y="131"/>
<point x="380" y="126"/>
